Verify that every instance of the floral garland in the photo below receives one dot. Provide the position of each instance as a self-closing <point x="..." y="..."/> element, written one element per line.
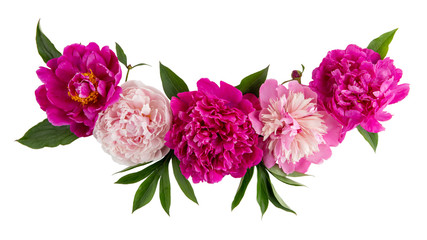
<point x="278" y="128"/>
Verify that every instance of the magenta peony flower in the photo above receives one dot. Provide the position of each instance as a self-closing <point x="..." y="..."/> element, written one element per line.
<point x="132" y="130"/>
<point x="354" y="85"/>
<point x="295" y="132"/>
<point x="211" y="132"/>
<point x="78" y="85"/>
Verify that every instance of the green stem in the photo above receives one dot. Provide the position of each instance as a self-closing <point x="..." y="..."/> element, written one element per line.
<point x="127" y="74"/>
<point x="299" y="81"/>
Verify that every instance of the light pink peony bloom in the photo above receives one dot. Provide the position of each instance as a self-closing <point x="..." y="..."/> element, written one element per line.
<point x="295" y="132"/>
<point x="132" y="130"/>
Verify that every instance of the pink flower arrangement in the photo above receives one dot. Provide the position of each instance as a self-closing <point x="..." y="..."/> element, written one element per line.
<point x="295" y="132"/>
<point x="354" y="85"/>
<point x="217" y="130"/>
<point x="132" y="130"/>
<point x="211" y="133"/>
<point x="78" y="85"/>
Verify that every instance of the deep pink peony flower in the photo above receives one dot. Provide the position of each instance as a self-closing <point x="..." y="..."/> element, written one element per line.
<point x="78" y="85"/>
<point x="132" y="130"/>
<point x="354" y="85"/>
<point x="211" y="132"/>
<point x="296" y="133"/>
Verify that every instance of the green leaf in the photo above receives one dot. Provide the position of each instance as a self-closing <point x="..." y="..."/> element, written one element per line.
<point x="165" y="187"/>
<point x="183" y="183"/>
<point x="381" y="43"/>
<point x="132" y="167"/>
<point x="140" y="175"/>
<point x="242" y="187"/>
<point x="253" y="82"/>
<point x="276" y="199"/>
<point x="44" y="46"/>
<point x="281" y="176"/>
<point x="172" y="83"/>
<point x="262" y="194"/>
<point x="298" y="174"/>
<point x="146" y="191"/>
<point x="371" y="138"/>
<point x="121" y="55"/>
<point x="44" y="134"/>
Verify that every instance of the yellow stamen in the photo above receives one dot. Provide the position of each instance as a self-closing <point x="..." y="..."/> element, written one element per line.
<point x="93" y="96"/>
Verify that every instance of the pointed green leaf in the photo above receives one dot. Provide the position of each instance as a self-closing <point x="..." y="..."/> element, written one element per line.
<point x="371" y="138"/>
<point x="183" y="183"/>
<point x="253" y="82"/>
<point x="172" y="83"/>
<point x="242" y="187"/>
<point x="44" y="134"/>
<point x="132" y="167"/>
<point x="281" y="176"/>
<point x="262" y="194"/>
<point x="165" y="187"/>
<point x="140" y="175"/>
<point x="298" y="174"/>
<point x="121" y="55"/>
<point x="381" y="43"/>
<point x="146" y="191"/>
<point x="45" y="47"/>
<point x="274" y="197"/>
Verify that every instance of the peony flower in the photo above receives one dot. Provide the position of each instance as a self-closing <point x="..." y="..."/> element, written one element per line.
<point x="211" y="132"/>
<point x="354" y="85"/>
<point x="294" y="131"/>
<point x="78" y="85"/>
<point x="132" y="130"/>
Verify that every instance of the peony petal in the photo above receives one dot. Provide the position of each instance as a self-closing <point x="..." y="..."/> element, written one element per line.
<point x="208" y="87"/>
<point x="268" y="91"/>
<point x="256" y="123"/>
<point x="42" y="98"/>
<point x="93" y="59"/>
<point x="80" y="130"/>
<point x="177" y="105"/>
<point x="401" y="91"/>
<point x="323" y="154"/>
<point x="287" y="167"/>
<point x="46" y="75"/>
<point x="302" y="166"/>
<point x="295" y="87"/>
<point x="383" y="116"/>
<point x="230" y="93"/>
<point x="372" y="125"/>
<point x="333" y="130"/>
<point x="253" y="99"/>
<point x="269" y="160"/>
<point x="245" y="106"/>
<point x="57" y="116"/>
<point x="66" y="71"/>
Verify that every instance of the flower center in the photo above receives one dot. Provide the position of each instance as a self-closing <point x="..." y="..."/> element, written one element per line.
<point x="83" y="88"/>
<point x="277" y="120"/>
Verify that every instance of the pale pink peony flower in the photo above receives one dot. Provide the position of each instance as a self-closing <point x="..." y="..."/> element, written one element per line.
<point x="295" y="132"/>
<point x="132" y="130"/>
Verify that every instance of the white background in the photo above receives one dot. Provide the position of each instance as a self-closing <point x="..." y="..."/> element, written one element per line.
<point x="69" y="192"/>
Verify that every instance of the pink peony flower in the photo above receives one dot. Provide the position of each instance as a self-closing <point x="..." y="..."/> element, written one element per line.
<point x="295" y="132"/>
<point x="78" y="85"/>
<point x="354" y="85"/>
<point x="132" y="130"/>
<point x="211" y="132"/>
